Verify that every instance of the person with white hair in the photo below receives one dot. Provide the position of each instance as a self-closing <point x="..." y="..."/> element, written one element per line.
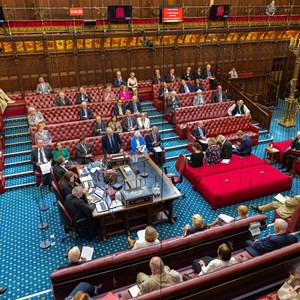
<point x="199" y="98"/>
<point x="238" y="109"/>
<point x="111" y="143"/>
<point x="226" y="147"/>
<point x="74" y="256"/>
<point x="172" y="103"/>
<point x="143" y="122"/>
<point x="272" y="242"/>
<point x="138" y="144"/>
<point x="62" y="100"/>
<point x="34" y="117"/>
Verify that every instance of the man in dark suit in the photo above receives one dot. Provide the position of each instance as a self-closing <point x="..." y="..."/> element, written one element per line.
<point x="111" y="143"/>
<point x="219" y="95"/>
<point x="85" y="113"/>
<point x="59" y="169"/>
<point x="288" y="157"/>
<point x="129" y="123"/>
<point x="78" y="209"/>
<point x="157" y="78"/>
<point x="153" y="140"/>
<point x="272" y="242"/>
<point x="41" y="155"/>
<point x="171" y="77"/>
<point x="226" y="147"/>
<point x="164" y="90"/>
<point x="74" y="255"/>
<point x="134" y="105"/>
<point x="83" y="96"/>
<point x="99" y="126"/>
<point x="185" y="87"/>
<point x="84" y="152"/>
<point x="119" y="80"/>
<point x="188" y="75"/>
<point x="245" y="147"/>
<point x="209" y="75"/>
<point x="119" y="108"/>
<point x="200" y="134"/>
<point x="62" y="100"/>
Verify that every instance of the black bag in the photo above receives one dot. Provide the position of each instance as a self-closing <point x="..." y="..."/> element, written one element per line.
<point x="186" y="277"/>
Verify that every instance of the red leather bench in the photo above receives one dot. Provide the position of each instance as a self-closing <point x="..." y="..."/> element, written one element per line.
<point x="120" y="269"/>
<point x="2" y="183"/>
<point x="227" y="126"/>
<point x="281" y="146"/>
<point x="184" y="115"/>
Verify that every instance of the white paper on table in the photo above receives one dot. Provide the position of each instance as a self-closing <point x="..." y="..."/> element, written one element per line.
<point x="87" y="252"/>
<point x="141" y="234"/>
<point x="280" y="198"/>
<point x="86" y="178"/>
<point x="234" y="146"/>
<point x="225" y="218"/>
<point x="225" y="161"/>
<point x="116" y="203"/>
<point x="93" y="170"/>
<point x="45" y="168"/>
<point x="204" y="142"/>
<point x="134" y="291"/>
<point x="157" y="149"/>
<point x="127" y="169"/>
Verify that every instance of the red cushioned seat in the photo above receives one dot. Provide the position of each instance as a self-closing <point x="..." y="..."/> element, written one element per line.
<point x="281" y="146"/>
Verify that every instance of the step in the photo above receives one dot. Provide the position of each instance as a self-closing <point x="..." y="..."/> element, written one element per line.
<point x="19" y="185"/>
<point x="17" y="153"/>
<point x="16" y="134"/>
<point x="156" y="116"/>
<point x="17" y="169"/>
<point x="17" y="139"/>
<point x="149" y="109"/>
<point x="169" y="138"/>
<point x="20" y="148"/>
<point x="15" y="126"/>
<point x="176" y="147"/>
<point x="21" y="180"/>
<point x="18" y="174"/>
<point x="14" y="118"/>
<point x="17" y="143"/>
<point x="16" y="163"/>
<point x="263" y="131"/>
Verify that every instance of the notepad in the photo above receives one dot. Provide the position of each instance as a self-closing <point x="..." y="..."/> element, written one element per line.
<point x="87" y="253"/>
<point x="134" y="291"/>
<point x="280" y="198"/>
<point x="225" y="161"/>
<point x="45" y="168"/>
<point x="226" y="218"/>
<point x="157" y="149"/>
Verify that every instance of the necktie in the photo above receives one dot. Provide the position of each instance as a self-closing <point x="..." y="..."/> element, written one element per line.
<point x="112" y="144"/>
<point x="154" y="138"/>
<point x="120" y="110"/>
<point x="129" y="123"/>
<point x="41" y="156"/>
<point x="43" y="87"/>
<point x="85" y="114"/>
<point x="200" y="131"/>
<point x="135" y="107"/>
<point x="220" y="97"/>
<point x="186" y="89"/>
<point x="84" y="148"/>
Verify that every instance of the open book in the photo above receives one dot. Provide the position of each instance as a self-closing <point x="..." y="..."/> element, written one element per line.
<point x="280" y="198"/>
<point x="134" y="291"/>
<point x="225" y="218"/>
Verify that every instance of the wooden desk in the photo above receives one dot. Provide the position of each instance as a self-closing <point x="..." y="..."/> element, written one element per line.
<point x="272" y="152"/>
<point x="122" y="219"/>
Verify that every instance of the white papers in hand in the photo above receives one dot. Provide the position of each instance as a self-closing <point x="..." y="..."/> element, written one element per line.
<point x="225" y="161"/>
<point x="87" y="253"/>
<point x="280" y="198"/>
<point x="157" y="149"/>
<point x="225" y="218"/>
<point x="141" y="234"/>
<point x="45" y="168"/>
<point x="234" y="146"/>
<point x="254" y="228"/>
<point x="134" y="291"/>
<point x="203" y="141"/>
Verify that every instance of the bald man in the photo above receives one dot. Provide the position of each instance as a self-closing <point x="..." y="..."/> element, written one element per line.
<point x="62" y="100"/>
<point x="74" y="256"/>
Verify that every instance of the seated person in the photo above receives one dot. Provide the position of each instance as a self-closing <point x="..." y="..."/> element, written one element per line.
<point x="161" y="276"/>
<point x="85" y="113"/>
<point x="238" y="109"/>
<point x="219" y="95"/>
<point x="157" y="79"/>
<point x="99" y="127"/>
<point x="111" y="143"/>
<point x="132" y="82"/>
<point x="284" y="210"/>
<point x="119" y="80"/>
<point x="150" y="239"/>
<point x="271" y="9"/>
<point x="242" y="214"/>
<point x="198" y="85"/>
<point x="196" y="159"/>
<point x="4" y="100"/>
<point x="171" y="77"/>
<point x="226" y="147"/>
<point x="245" y="146"/>
<point x="83" y="96"/>
<point x="43" y="87"/>
<point x="272" y="242"/>
<point x="74" y="256"/>
<point x="59" y="168"/>
<point x="233" y="73"/>
<point x="198" y="225"/>
<point x="114" y="124"/>
<point x="108" y="94"/>
<point x="129" y="123"/>
<point x="34" y="117"/>
<point x="199" y="98"/>
<point x="124" y="93"/>
<point x="59" y="150"/>
<point x="288" y="157"/>
<point x="138" y="144"/>
<point x="198" y="74"/>
<point x="62" y="100"/>
<point x="42" y="134"/>
<point x="84" y="291"/>
<point x="164" y="91"/>
<point x="134" y="105"/>
<point x="153" y="140"/>
<point x="172" y="103"/>
<point x="200" y="134"/>
<point x="119" y="108"/>
<point x="212" y="154"/>
<point x="185" y="87"/>
<point x="84" y="152"/>
<point x="67" y="182"/>
<point x="188" y="75"/>
<point x="143" y="122"/>
<point x="208" y="74"/>
<point x="208" y="264"/>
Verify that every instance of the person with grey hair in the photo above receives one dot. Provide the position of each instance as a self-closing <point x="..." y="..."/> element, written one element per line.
<point x="62" y="100"/>
<point x="244" y="148"/>
<point x="111" y="143"/>
<point x="238" y="109"/>
<point x="153" y="140"/>
<point x="34" y="117"/>
<point x="226" y="147"/>
<point x="78" y="209"/>
<point x="129" y="123"/>
<point x="138" y="144"/>
<point x="271" y="9"/>
<point x="134" y="105"/>
<point x="74" y="256"/>
<point x="272" y="242"/>
<point x="199" y="98"/>
<point x="143" y="122"/>
<point x="161" y="276"/>
<point x="172" y="103"/>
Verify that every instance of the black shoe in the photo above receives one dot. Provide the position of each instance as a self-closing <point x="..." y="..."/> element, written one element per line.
<point x="282" y="167"/>
<point x="2" y="291"/>
<point x="254" y="207"/>
<point x="98" y="289"/>
<point x="50" y="188"/>
<point x="286" y="170"/>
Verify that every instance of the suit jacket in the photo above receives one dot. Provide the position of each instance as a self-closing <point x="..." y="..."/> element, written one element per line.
<point x="161" y="92"/>
<point x="198" y="87"/>
<point x="125" y="124"/>
<point x="270" y="243"/>
<point x="58" y="172"/>
<point x="288" y="208"/>
<point x="81" y="155"/>
<point x="106" y="146"/>
<point x="190" y="87"/>
<point x="133" y="144"/>
<point x="58" y="102"/>
<point x="131" y="108"/>
<point x="86" y="98"/>
<point x="196" y="160"/>
<point x="198" y="76"/>
<point x="169" y="77"/>
<point x="245" y="147"/>
<point x="35" y="157"/>
<point x="171" y="105"/>
<point x="188" y="76"/>
<point x="146" y="123"/>
<point x="116" y="109"/>
<point x="119" y="83"/>
<point x="47" y="89"/>
<point x="197" y="134"/>
<point x="226" y="150"/>
<point x="156" y="80"/>
<point x="205" y="75"/>
<point x="89" y="114"/>
<point x="99" y="129"/>
<point x="215" y="97"/>
<point x="150" y="140"/>
<point x="295" y="144"/>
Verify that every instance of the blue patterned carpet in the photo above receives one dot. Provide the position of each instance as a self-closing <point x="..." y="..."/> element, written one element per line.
<point x="26" y="268"/>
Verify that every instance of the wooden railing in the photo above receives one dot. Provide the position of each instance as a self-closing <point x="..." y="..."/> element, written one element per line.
<point x="260" y="113"/>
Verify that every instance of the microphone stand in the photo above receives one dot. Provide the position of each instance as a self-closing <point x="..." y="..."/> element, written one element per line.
<point x="144" y="174"/>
